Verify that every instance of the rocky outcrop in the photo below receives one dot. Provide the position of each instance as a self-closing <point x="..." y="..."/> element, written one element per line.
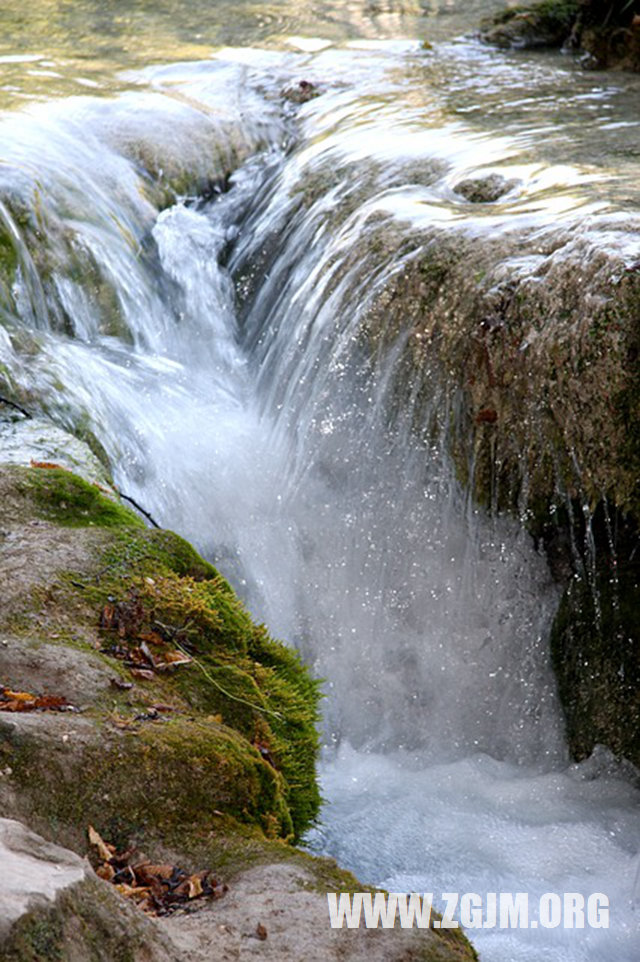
<point x="604" y="34"/>
<point x="522" y="352"/>
<point x="138" y="696"/>
<point x="53" y="907"/>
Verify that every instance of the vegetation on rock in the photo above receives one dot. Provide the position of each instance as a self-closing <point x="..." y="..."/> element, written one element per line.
<point x="606" y="31"/>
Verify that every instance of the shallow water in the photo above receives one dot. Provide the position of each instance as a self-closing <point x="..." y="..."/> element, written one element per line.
<point x="215" y="350"/>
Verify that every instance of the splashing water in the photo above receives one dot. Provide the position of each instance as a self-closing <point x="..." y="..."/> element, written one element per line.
<point x="221" y="350"/>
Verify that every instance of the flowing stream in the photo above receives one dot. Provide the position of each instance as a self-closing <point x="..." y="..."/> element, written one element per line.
<point x="214" y="335"/>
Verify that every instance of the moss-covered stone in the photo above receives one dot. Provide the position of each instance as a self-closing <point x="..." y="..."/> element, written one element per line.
<point x="244" y="701"/>
<point x="604" y="31"/>
<point x="63" y="497"/>
<point x="595" y="645"/>
<point x="160" y="779"/>
<point x="544" y="24"/>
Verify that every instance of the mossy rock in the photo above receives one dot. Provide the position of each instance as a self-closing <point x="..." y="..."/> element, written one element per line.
<point x="240" y="736"/>
<point x="603" y="31"/>
<point x="87" y="922"/>
<point x="545" y="24"/>
<point x="595" y="645"/>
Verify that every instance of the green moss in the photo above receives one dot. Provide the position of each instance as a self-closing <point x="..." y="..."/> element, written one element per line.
<point x="36" y="937"/>
<point x="595" y="646"/>
<point x="86" y="921"/>
<point x="63" y="497"/>
<point x="163" y="778"/>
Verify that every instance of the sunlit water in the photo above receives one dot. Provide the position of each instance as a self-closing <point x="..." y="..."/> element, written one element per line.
<point x="215" y="349"/>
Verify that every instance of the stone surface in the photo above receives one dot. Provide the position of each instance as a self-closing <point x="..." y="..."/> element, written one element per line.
<point x="33" y="872"/>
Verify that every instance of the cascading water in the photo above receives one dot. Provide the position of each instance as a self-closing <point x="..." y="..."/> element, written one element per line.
<point x="221" y="350"/>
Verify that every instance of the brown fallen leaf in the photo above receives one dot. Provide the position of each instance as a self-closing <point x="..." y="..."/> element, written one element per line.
<point x="16" y="695"/>
<point x="261" y="932"/>
<point x="25" y="701"/>
<point x="172" y="659"/>
<point x="157" y="889"/>
<point x="46" y="464"/>
<point x="146" y="870"/>
<point x="51" y="702"/>
<point x="104" y="851"/>
<point x="152" y="638"/>
<point x="190" y="888"/>
<point x="145" y="673"/>
<point x="132" y="891"/>
<point x="108" y="617"/>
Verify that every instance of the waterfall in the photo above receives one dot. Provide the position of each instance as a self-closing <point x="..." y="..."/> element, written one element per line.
<point x="201" y="286"/>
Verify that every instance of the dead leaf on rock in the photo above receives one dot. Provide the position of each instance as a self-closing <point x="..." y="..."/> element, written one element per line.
<point x="158" y="889"/>
<point x="261" y="932"/>
<point x="145" y="673"/>
<point x="104" y="851"/>
<point x="26" y="701"/>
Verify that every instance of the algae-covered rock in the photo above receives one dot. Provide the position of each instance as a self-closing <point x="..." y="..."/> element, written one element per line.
<point x="544" y="24"/>
<point x="520" y="354"/>
<point x="605" y="32"/>
<point x="595" y="645"/>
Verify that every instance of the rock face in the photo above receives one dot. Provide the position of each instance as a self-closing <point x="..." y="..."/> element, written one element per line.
<point x="52" y="907"/>
<point x="523" y="354"/>
<point x="606" y="34"/>
<point x="187" y="733"/>
<point x="33" y="872"/>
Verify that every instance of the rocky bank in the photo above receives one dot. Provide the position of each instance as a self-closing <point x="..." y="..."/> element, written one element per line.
<point x="170" y="722"/>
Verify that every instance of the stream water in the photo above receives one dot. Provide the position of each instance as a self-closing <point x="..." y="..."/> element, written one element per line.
<point x="208" y="331"/>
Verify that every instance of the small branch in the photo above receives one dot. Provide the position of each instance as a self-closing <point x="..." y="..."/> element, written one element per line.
<point x="16" y="407"/>
<point x="227" y="694"/>
<point x="149" y="518"/>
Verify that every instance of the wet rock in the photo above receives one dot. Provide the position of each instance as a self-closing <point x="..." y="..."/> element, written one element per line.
<point x="300" y="92"/>
<point x="546" y="24"/>
<point x="194" y="770"/>
<point x="23" y="440"/>
<point x="595" y="645"/>
<point x="485" y="190"/>
<point x="604" y="34"/>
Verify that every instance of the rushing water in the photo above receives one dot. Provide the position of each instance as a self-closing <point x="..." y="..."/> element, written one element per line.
<point x="212" y="335"/>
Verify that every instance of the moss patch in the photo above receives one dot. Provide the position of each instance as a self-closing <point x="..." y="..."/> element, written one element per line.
<point x="545" y="24"/>
<point x="595" y="646"/>
<point x="64" y="498"/>
<point x="604" y="31"/>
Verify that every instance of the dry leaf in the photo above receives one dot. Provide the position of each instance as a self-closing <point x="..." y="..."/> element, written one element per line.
<point x="17" y="695"/>
<point x="104" y="851"/>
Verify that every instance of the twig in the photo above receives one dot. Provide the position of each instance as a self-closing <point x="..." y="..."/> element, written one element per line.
<point x="12" y="404"/>
<point x="149" y="518"/>
<point x="227" y="694"/>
